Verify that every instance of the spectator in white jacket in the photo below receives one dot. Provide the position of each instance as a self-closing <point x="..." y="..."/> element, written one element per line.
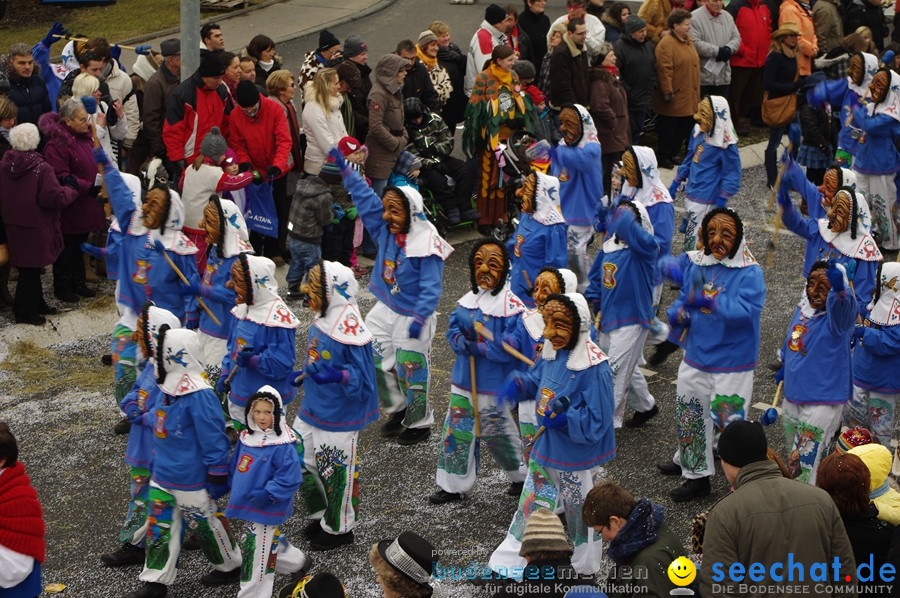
<point x="596" y="32"/>
<point x="491" y="34"/>
<point x="716" y="38"/>
<point x="322" y="120"/>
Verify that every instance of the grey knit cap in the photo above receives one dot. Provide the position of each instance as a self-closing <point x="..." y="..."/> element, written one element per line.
<point x="214" y="145"/>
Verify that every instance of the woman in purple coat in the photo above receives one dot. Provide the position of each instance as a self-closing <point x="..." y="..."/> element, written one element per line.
<point x="30" y="206"/>
<point x="69" y="151"/>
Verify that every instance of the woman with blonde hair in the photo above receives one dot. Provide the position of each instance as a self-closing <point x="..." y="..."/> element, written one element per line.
<point x="281" y="87"/>
<point x="108" y="128"/>
<point x="322" y="120"/>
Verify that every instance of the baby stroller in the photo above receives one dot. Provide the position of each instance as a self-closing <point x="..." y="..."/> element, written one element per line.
<point x="515" y="166"/>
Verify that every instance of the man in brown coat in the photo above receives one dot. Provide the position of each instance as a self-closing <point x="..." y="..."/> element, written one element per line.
<point x="387" y="128"/>
<point x="156" y="94"/>
<point x="569" y="79"/>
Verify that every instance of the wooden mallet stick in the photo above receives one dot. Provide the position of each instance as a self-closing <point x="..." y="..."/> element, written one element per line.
<point x="185" y="281"/>
<point x="474" y="397"/>
<point x="483" y="331"/>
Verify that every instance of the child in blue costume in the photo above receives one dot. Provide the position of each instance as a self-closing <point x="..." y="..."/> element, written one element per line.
<point x="139" y="406"/>
<point x="407" y="281"/>
<point x="711" y="167"/>
<point x="529" y="334"/>
<point x="189" y="471"/>
<point x="494" y="305"/>
<point x="340" y="399"/>
<point x="577" y="163"/>
<point x="876" y="377"/>
<point x="572" y="384"/>
<point x="816" y="371"/>
<point x="846" y="95"/>
<point x="878" y="161"/>
<point x="265" y="474"/>
<point x="841" y="235"/>
<point x="621" y="291"/>
<point x="227" y="236"/>
<point x="720" y="303"/>
<point x="261" y="345"/>
<point x="540" y="237"/>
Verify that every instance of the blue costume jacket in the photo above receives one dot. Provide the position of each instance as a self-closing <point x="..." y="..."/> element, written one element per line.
<point x="139" y="452"/>
<point x="531" y="247"/>
<point x="711" y="172"/>
<point x="877" y="155"/>
<point x="875" y="359"/>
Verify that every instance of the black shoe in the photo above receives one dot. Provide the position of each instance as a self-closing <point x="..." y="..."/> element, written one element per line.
<point x="411" y="436"/>
<point x="443" y="497"/>
<point x="293" y="292"/>
<point x="106" y="359"/>
<point x="666" y="163"/>
<point x="287" y="590"/>
<point x="83" y="290"/>
<point x="326" y="541"/>
<point x="221" y="578"/>
<point x="33" y="319"/>
<point x="123" y="426"/>
<point x="65" y="295"/>
<point x="149" y="590"/>
<point x="127" y="554"/>
<point x="669" y="468"/>
<point x="453" y="216"/>
<point x="469" y="216"/>
<point x="642" y="417"/>
<point x="46" y="310"/>
<point x="775" y="366"/>
<point x="515" y="488"/>
<point x="394" y="425"/>
<point x="691" y="489"/>
<point x="312" y="529"/>
<point x="663" y="350"/>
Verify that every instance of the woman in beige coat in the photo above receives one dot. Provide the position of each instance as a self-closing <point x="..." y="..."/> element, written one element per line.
<point x="678" y="87"/>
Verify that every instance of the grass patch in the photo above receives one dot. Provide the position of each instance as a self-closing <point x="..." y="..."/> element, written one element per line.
<point x="37" y="370"/>
<point x="28" y="20"/>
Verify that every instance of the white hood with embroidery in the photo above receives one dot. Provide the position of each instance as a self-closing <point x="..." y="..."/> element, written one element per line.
<point x="265" y="305"/>
<point x="170" y="234"/>
<point x="342" y="320"/>
<point x="154" y="318"/>
<point x="722" y="134"/>
<point x="547" y="210"/>
<point x="422" y="239"/>
<point x="652" y="190"/>
<point x="890" y="105"/>
<point x="588" y="128"/>
<point x="870" y="62"/>
<point x="886" y="311"/>
<point x="863" y="247"/>
<point x="269" y="437"/>
<point x="178" y="369"/>
<point x="234" y="235"/>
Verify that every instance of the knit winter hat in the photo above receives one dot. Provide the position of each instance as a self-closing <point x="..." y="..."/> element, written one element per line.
<point x="634" y="23"/>
<point x="327" y="40"/>
<point x="544" y="533"/>
<point x="426" y="37"/>
<point x="247" y="95"/>
<point x="211" y="66"/>
<point x="354" y="46"/>
<point x="24" y="137"/>
<point x="214" y="145"/>
<point x="493" y="14"/>
<point x="742" y="442"/>
<point x="524" y="69"/>
<point x="348" y="145"/>
<point x="852" y="437"/>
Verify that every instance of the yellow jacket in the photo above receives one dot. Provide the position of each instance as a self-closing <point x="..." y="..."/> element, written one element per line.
<point x="878" y="458"/>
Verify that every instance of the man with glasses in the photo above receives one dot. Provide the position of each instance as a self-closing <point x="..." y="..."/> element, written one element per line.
<point x="418" y="81"/>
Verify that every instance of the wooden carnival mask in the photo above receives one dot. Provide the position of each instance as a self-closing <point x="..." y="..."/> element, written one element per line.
<point x="570" y="126"/>
<point x="857" y="69"/>
<point x="546" y="284"/>
<point x="839" y="212"/>
<point x="313" y="287"/>
<point x="156" y="204"/>
<point x="630" y="169"/>
<point x="817" y="288"/>
<point x="488" y="266"/>
<point x="721" y="235"/>
<point x="526" y="192"/>
<point x="559" y="324"/>
<point x="831" y="181"/>
<point x="396" y="214"/>
<point x="880" y="84"/>
<point x="238" y="283"/>
<point x="704" y="115"/>
<point x="210" y="223"/>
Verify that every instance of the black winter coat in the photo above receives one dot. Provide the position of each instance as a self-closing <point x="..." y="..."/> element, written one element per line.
<point x="29" y="95"/>
<point x="418" y="85"/>
<point x="453" y="59"/>
<point x="535" y="27"/>
<point x="859" y="15"/>
<point x="637" y="71"/>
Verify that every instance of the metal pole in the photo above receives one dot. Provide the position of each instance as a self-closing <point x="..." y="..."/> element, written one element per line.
<point x="190" y="37"/>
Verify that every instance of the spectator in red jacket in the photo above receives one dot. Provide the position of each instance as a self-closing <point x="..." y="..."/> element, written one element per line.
<point x="197" y="105"/>
<point x="260" y="136"/>
<point x="754" y="23"/>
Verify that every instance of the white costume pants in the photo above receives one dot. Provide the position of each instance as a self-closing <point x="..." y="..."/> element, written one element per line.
<point x="624" y="347"/>
<point x="577" y="239"/>
<point x="808" y="429"/>
<point x="874" y="411"/>
<point x="265" y="552"/>
<point x="881" y="193"/>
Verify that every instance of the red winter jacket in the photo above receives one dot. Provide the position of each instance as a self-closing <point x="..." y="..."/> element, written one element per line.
<point x="263" y="140"/>
<point x="754" y="23"/>
<point x="193" y="109"/>
<point x="21" y="517"/>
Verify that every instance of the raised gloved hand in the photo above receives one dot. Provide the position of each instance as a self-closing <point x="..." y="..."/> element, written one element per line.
<point x="779" y="375"/>
<point x="115" y="52"/>
<point x="510" y="393"/>
<point x="296" y="379"/>
<point x="415" y="327"/>
<point x="56" y="29"/>
<point x="835" y="276"/>
<point x="245" y="167"/>
<point x="93" y="250"/>
<point x="850" y="269"/>
<point x="351" y="213"/>
<point x="143" y="49"/>
<point x="678" y="317"/>
<point x="602" y="216"/>
<point x="621" y="219"/>
<point x="671" y="268"/>
<point x="817" y="96"/>
<point x="722" y="199"/>
<point x="216" y="485"/>
<point x="723" y="54"/>
<point x="245" y="357"/>
<point x="223" y="386"/>
<point x="858" y="333"/>
<point x="273" y="172"/>
<point x="259" y="498"/>
<point x="323" y="373"/>
<point x="334" y="154"/>
<point x="793" y="133"/>
<point x="557" y="417"/>
<point x="675" y="186"/>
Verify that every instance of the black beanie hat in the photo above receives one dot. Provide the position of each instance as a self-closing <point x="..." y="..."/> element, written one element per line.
<point x="493" y="14"/>
<point x="246" y="94"/>
<point x="327" y="40"/>
<point x="742" y="442"/>
<point x="211" y="66"/>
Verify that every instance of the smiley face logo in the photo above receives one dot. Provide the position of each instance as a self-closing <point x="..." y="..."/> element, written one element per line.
<point x="682" y="571"/>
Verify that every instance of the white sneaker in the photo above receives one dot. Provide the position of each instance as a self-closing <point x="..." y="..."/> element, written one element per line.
<point x="456" y="2"/>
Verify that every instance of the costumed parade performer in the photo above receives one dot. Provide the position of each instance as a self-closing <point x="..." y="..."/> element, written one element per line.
<point x="711" y="169"/>
<point x="408" y="281"/>
<point x="572" y="384"/>
<point x="816" y="371"/>
<point x="720" y="304"/>
<point x="340" y="400"/>
<point x="474" y="413"/>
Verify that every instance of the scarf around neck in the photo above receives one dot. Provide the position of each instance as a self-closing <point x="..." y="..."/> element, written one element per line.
<point x="640" y="531"/>
<point x="427" y="60"/>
